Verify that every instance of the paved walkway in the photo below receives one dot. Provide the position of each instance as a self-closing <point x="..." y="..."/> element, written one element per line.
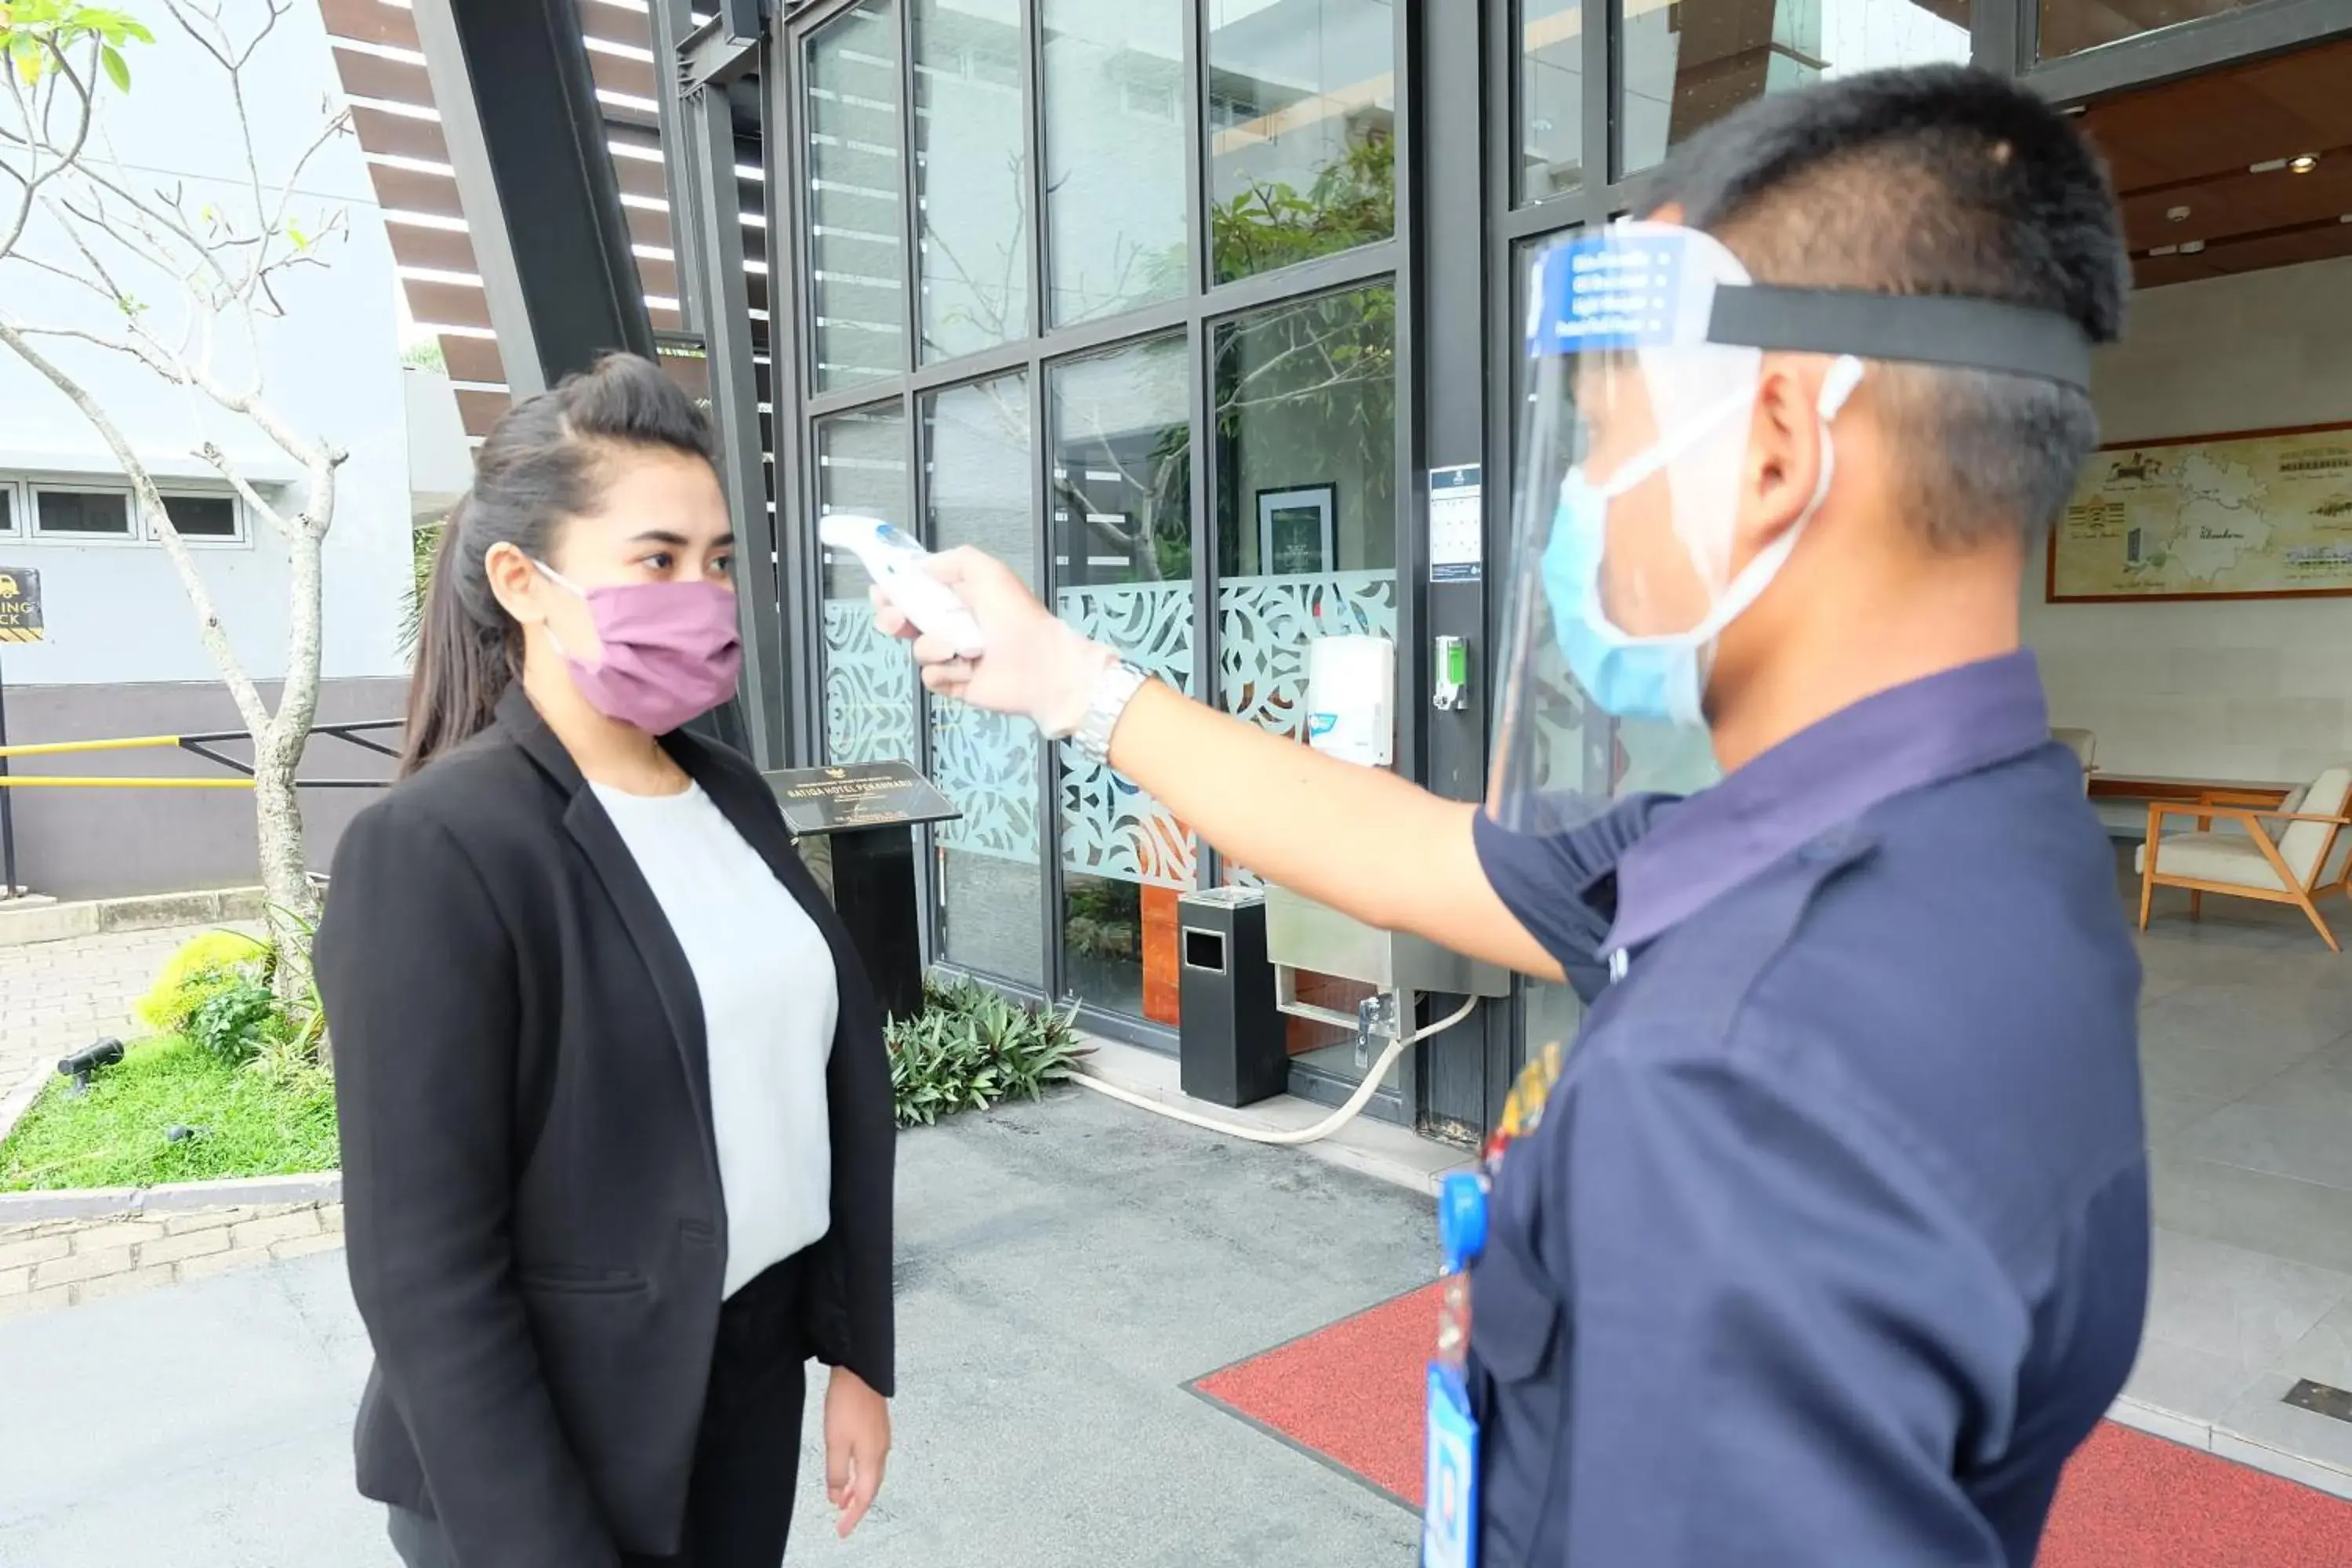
<point x="59" y="996"/>
<point x="56" y="997"/>
<point x="1064" y="1269"/>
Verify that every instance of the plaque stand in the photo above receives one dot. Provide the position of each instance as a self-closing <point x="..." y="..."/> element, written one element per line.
<point x="856" y="828"/>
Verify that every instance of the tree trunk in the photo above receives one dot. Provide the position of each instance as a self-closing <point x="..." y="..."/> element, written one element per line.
<point x="277" y="758"/>
<point x="285" y="874"/>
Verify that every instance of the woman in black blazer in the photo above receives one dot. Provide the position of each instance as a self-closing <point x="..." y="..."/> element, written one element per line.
<point x="616" y="1111"/>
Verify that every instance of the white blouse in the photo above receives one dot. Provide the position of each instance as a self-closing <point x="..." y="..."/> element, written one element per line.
<point x="769" y="1000"/>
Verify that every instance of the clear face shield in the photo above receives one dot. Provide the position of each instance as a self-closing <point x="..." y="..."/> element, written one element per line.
<point x="1645" y="348"/>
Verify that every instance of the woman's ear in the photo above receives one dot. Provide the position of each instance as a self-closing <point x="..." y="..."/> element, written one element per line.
<point x="515" y="582"/>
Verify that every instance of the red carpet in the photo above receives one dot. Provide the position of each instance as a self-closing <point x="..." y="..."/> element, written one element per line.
<point x="1350" y="1394"/>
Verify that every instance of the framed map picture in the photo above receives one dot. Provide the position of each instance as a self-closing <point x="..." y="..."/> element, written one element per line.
<point x="2265" y="515"/>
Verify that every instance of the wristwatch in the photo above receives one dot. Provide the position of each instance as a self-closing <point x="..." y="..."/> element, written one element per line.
<point x="1114" y="689"/>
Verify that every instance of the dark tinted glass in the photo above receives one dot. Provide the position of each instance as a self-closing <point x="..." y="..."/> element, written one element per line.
<point x="82" y="512"/>
<point x="202" y="517"/>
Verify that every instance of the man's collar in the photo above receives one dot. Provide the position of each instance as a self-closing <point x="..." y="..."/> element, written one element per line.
<point x="1945" y="725"/>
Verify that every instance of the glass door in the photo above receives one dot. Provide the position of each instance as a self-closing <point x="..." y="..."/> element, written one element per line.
<point x="1119" y="518"/>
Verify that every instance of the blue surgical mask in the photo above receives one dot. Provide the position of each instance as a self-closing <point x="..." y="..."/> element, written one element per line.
<point x="1661" y="677"/>
<point x="1651" y="678"/>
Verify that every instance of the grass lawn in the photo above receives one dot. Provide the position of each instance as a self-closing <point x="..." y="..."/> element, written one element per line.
<point x="248" y="1124"/>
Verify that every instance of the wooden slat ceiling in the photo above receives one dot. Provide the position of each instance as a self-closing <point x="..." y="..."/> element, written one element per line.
<point x="383" y="70"/>
<point x="2209" y="170"/>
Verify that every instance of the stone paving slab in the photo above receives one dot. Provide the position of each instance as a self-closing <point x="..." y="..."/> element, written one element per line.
<point x="49" y="1265"/>
<point x="1062" y="1270"/>
<point x="58" y="997"/>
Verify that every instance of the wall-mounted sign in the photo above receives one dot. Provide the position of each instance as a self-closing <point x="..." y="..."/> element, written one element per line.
<point x="1457" y="524"/>
<point x="20" y="606"/>
<point x="2261" y="516"/>
<point x="857" y="795"/>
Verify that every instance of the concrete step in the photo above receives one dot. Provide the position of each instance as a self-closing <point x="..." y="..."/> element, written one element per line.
<point x="37" y="919"/>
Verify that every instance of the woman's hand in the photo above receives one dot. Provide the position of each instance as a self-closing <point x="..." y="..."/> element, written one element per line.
<point x="856" y="1444"/>
<point x="1034" y="664"/>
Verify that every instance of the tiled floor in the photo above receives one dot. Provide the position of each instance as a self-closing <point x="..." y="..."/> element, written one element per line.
<point x="2246" y="1041"/>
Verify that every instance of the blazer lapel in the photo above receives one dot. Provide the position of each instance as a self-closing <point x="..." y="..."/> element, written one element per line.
<point x="641" y="913"/>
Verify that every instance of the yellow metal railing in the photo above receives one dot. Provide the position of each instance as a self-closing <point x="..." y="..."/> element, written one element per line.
<point x="240" y="771"/>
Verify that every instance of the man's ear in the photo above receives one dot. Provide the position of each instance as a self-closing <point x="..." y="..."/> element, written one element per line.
<point x="1785" y="454"/>
<point x="515" y="582"/>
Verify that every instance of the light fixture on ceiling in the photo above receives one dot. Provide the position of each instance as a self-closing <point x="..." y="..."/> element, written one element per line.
<point x="2192" y="246"/>
<point x="2267" y="166"/>
<point x="2166" y="250"/>
<point x="2302" y="163"/>
<point x="2177" y="214"/>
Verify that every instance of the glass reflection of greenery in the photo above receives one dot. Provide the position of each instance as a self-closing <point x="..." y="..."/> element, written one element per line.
<point x="1104" y="918"/>
<point x="1272" y="224"/>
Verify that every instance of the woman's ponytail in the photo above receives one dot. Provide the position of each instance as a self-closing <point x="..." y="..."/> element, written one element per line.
<point x="463" y="663"/>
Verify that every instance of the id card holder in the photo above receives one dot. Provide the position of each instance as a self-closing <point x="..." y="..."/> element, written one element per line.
<point x="1449" y="1519"/>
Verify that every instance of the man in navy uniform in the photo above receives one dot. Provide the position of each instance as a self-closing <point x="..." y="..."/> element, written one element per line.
<point x="1827" y="1243"/>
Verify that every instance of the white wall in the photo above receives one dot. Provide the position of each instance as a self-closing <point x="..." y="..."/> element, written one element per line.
<point x="116" y="612"/>
<point x="2246" y="689"/>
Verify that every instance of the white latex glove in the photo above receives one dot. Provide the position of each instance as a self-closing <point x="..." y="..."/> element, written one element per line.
<point x="1034" y="664"/>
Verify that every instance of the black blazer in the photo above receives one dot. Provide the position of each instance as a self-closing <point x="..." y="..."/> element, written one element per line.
<point x="530" y="1182"/>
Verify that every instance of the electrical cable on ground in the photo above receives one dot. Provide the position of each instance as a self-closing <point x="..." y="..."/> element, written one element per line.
<point x="1323" y="1128"/>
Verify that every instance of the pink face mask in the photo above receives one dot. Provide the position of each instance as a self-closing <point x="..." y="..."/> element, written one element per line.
<point x="671" y="650"/>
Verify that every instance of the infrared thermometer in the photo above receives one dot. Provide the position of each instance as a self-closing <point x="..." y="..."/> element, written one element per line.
<point x="894" y="560"/>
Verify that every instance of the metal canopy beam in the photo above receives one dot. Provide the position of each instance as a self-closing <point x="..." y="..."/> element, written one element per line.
<point x="715" y="54"/>
<point x="707" y="156"/>
<point x="527" y="137"/>
<point x="2167" y="54"/>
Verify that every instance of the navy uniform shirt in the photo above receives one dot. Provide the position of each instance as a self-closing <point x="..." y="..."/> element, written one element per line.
<point x="1831" y="1239"/>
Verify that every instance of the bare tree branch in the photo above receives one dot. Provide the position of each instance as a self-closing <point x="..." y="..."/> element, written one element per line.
<point x="252" y="498"/>
<point x="242" y="690"/>
<point x="224" y="253"/>
<point x="37" y="138"/>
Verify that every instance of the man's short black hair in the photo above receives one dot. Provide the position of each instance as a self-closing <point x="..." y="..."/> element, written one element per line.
<point x="1931" y="180"/>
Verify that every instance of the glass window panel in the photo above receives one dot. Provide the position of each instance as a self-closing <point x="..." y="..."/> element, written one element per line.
<point x="971" y="171"/>
<point x="1114" y="155"/>
<point x="857" y="239"/>
<point x="1302" y="116"/>
<point x="869" y="679"/>
<point x="1688" y="63"/>
<point x="202" y="517"/>
<point x="7" y="509"/>
<point x="991" y="883"/>
<point x="1307" y="520"/>
<point x="1120" y="514"/>
<point x="1551" y="97"/>
<point x="106" y="513"/>
<point x="2070" y="27"/>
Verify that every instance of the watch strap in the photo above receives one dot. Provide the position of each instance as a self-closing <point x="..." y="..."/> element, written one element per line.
<point x="1114" y="689"/>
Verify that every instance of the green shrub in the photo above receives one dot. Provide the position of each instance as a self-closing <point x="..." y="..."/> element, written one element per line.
<point x="969" y="1048"/>
<point x="202" y="968"/>
<point x="234" y="1022"/>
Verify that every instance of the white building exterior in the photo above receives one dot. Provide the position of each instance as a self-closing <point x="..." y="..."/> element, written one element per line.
<point x="122" y="654"/>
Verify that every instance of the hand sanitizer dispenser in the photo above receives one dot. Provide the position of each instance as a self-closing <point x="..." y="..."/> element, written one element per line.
<point x="1351" y="699"/>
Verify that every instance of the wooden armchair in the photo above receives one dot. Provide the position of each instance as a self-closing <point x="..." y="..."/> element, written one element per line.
<point x="2311" y="857"/>
<point x="2086" y="747"/>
